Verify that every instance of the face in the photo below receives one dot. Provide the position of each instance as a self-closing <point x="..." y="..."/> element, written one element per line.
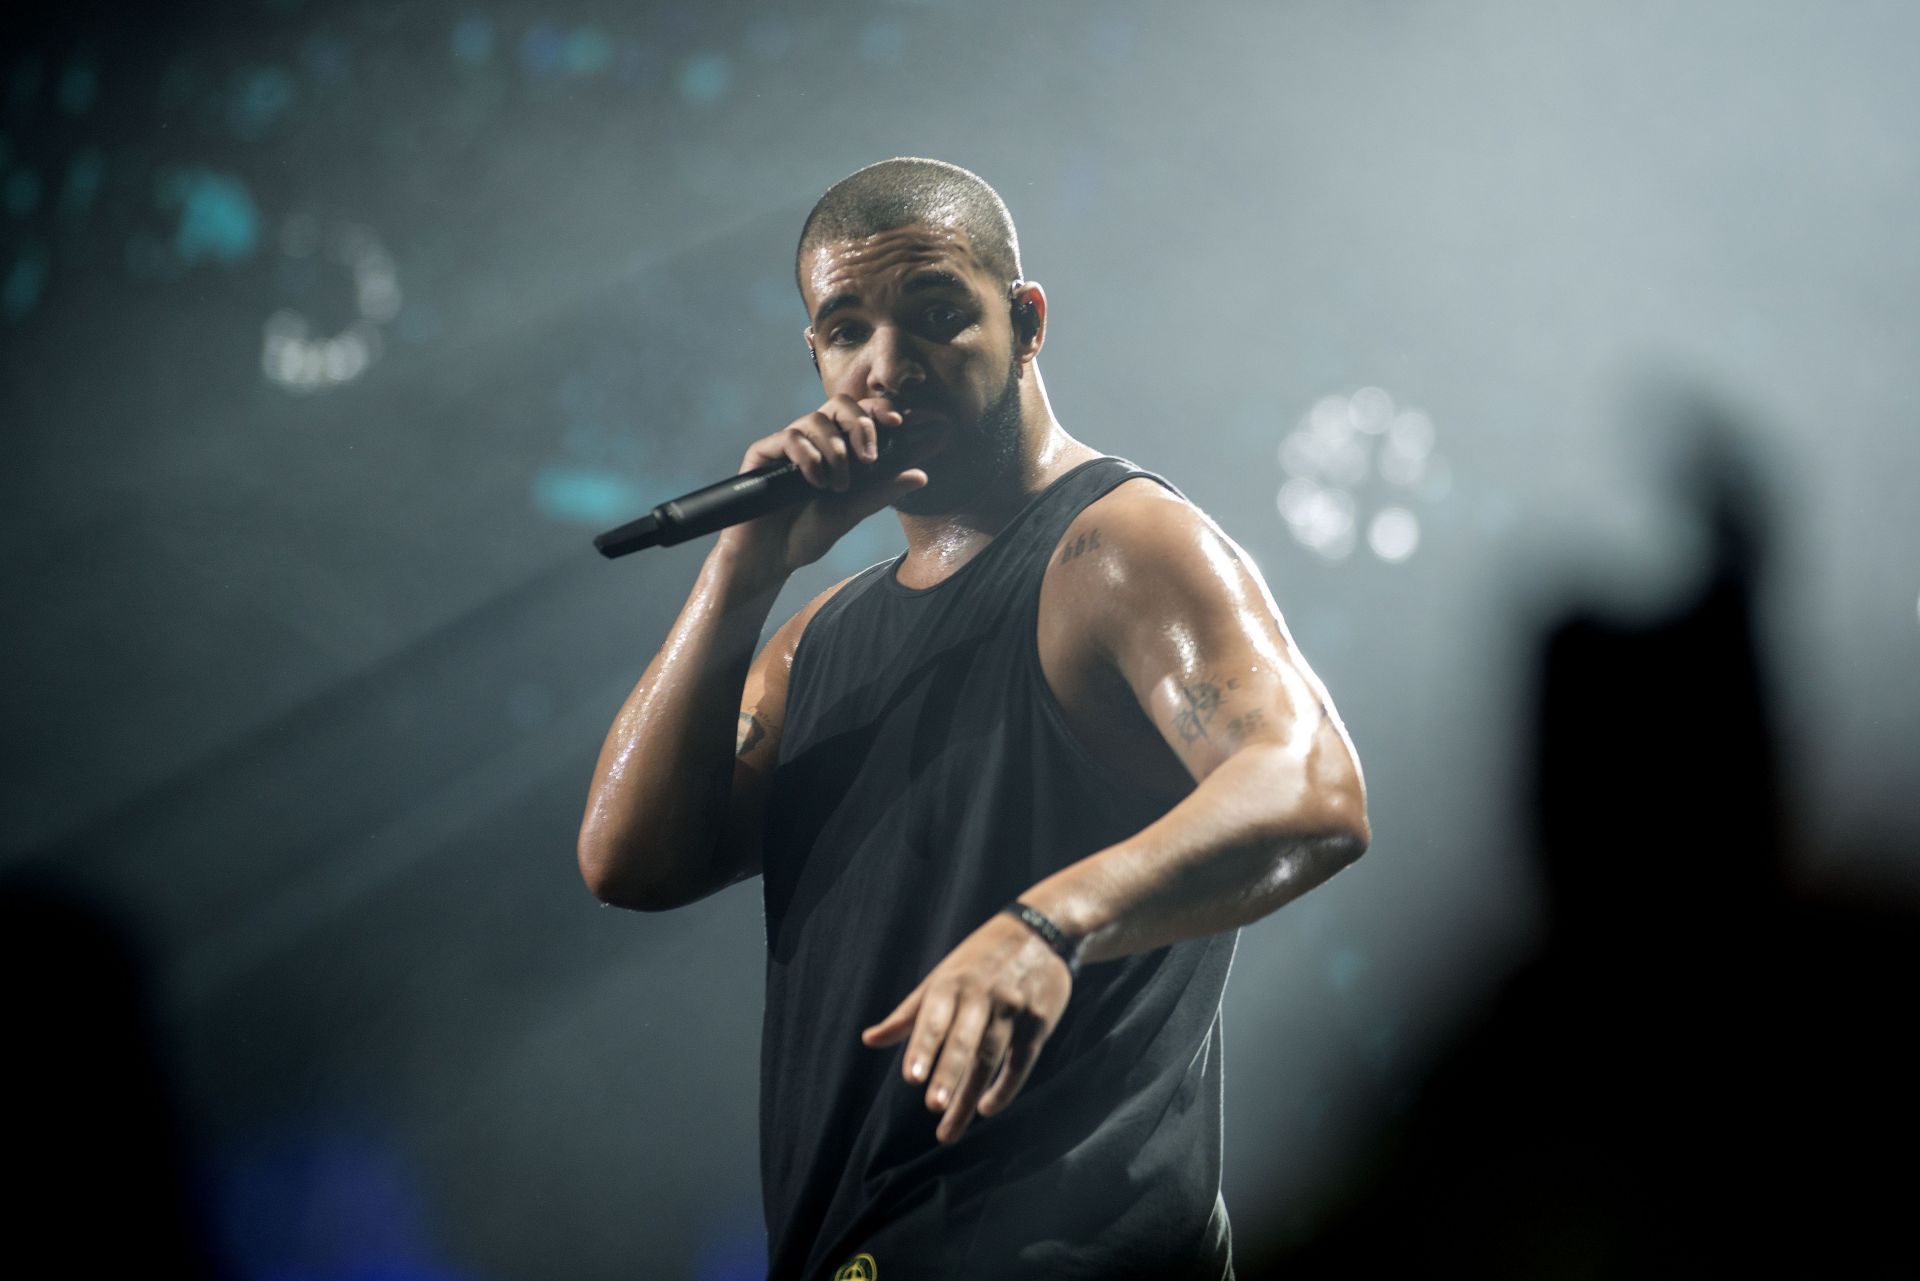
<point x="911" y="315"/>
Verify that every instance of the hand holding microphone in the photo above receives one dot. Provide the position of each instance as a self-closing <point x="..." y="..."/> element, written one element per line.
<point x="798" y="490"/>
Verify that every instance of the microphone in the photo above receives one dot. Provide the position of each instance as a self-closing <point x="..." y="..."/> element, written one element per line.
<point x="733" y="501"/>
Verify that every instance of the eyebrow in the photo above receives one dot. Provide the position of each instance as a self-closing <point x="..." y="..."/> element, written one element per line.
<point x="918" y="283"/>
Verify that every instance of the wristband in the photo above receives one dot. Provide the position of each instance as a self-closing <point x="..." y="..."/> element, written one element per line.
<point x="1066" y="948"/>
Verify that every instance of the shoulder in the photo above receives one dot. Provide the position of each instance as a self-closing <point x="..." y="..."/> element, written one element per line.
<point x="1141" y="552"/>
<point x="782" y="646"/>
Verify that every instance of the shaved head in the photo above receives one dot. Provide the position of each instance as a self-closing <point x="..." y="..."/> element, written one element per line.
<point x="907" y="190"/>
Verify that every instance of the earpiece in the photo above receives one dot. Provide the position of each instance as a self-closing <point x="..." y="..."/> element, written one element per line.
<point x="1026" y="320"/>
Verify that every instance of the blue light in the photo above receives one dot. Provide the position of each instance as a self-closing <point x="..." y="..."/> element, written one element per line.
<point x="473" y="41"/>
<point x="261" y="99"/>
<point x="704" y="78"/>
<point x="85" y="173"/>
<point x="588" y="52"/>
<point x="584" y="495"/>
<point x="542" y="49"/>
<point x="217" y="217"/>
<point x="25" y="282"/>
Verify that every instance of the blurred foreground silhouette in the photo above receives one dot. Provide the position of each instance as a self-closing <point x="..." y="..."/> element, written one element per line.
<point x="1703" y="1071"/>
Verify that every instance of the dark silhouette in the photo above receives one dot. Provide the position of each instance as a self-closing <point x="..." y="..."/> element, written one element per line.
<point x="1702" y="1072"/>
<point x="96" y="1160"/>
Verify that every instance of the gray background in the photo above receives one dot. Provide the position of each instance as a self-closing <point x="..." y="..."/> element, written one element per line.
<point x="304" y="685"/>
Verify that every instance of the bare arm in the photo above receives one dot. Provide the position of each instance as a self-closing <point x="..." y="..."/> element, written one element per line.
<point x="1280" y="803"/>
<point x="675" y="808"/>
<point x="1179" y="614"/>
<point x="673" y="813"/>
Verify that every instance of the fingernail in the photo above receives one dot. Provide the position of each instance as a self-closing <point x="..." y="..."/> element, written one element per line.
<point x="940" y="1098"/>
<point x="919" y="1068"/>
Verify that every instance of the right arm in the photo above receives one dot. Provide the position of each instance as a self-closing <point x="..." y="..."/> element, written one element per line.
<point x="674" y="813"/>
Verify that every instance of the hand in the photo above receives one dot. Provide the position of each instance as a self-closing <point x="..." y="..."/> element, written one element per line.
<point x="992" y="1002"/>
<point x="826" y="444"/>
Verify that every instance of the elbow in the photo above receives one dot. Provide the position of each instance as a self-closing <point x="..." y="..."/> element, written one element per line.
<point x="610" y="878"/>
<point x="1345" y="832"/>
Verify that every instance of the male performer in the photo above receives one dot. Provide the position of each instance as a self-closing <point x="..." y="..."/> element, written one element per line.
<point x="1011" y="794"/>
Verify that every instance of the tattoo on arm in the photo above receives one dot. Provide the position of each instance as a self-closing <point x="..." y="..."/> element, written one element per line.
<point x="751" y="732"/>
<point x="1242" y="725"/>
<point x="1203" y="700"/>
<point x="1080" y="546"/>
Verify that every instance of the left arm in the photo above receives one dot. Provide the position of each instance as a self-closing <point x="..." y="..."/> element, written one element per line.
<point x="1181" y="615"/>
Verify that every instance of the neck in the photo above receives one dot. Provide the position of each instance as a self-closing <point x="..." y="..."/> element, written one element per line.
<point x="939" y="544"/>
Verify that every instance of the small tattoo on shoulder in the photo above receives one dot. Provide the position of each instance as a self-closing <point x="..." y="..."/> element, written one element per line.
<point x="751" y="732"/>
<point x="1080" y="545"/>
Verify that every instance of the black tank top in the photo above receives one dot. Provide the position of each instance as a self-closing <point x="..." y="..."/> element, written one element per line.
<point x="927" y="777"/>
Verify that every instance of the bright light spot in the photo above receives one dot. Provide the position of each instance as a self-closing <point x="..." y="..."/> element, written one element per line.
<point x="300" y="363"/>
<point x="1295" y="498"/>
<point x="1394" y="534"/>
<point x="1326" y="524"/>
<point x="1411" y="433"/>
<point x="1329" y="415"/>
<point x="1370" y="410"/>
<point x="1326" y="497"/>
<point x="218" y="219"/>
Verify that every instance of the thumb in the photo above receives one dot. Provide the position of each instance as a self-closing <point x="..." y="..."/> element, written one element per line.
<point x="862" y="503"/>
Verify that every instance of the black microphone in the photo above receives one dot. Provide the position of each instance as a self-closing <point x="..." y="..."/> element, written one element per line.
<point x="733" y="501"/>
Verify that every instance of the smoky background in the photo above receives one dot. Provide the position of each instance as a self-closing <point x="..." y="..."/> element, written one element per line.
<point x="1554" y="364"/>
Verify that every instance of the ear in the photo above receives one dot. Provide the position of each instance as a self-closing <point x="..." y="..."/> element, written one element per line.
<point x="1029" y="302"/>
<point x="807" y="333"/>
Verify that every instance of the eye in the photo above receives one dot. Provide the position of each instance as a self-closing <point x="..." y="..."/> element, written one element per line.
<point x="847" y="335"/>
<point x="944" y="319"/>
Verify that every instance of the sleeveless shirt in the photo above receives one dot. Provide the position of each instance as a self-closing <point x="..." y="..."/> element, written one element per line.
<point x="927" y="776"/>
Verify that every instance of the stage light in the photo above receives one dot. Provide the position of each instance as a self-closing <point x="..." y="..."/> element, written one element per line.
<point x="293" y="359"/>
<point x="1328" y="459"/>
<point x="1394" y="534"/>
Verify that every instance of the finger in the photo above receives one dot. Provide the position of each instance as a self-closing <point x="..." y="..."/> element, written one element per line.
<point x="855" y="422"/>
<point x="802" y="450"/>
<point x="840" y="461"/>
<point x="936" y="1013"/>
<point x="879" y="413"/>
<point x="822" y="431"/>
<point x="963" y="1040"/>
<point x="986" y="1061"/>
<point x="894" y="1028"/>
<point x="1021" y="1053"/>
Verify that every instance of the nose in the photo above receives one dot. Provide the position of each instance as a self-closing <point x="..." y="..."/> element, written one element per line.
<point x="893" y="365"/>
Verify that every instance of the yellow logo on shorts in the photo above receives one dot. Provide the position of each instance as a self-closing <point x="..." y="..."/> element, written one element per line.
<point x="860" y="1267"/>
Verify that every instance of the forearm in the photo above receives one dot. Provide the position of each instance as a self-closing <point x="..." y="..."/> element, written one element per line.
<point x="657" y="805"/>
<point x="1259" y="831"/>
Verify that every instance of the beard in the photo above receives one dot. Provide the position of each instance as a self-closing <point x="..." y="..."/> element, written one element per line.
<point x="977" y="458"/>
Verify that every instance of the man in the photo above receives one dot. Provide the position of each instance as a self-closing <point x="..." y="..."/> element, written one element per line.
<point x="1011" y="794"/>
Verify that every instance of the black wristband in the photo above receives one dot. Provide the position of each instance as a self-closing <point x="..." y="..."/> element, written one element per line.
<point x="1066" y="948"/>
